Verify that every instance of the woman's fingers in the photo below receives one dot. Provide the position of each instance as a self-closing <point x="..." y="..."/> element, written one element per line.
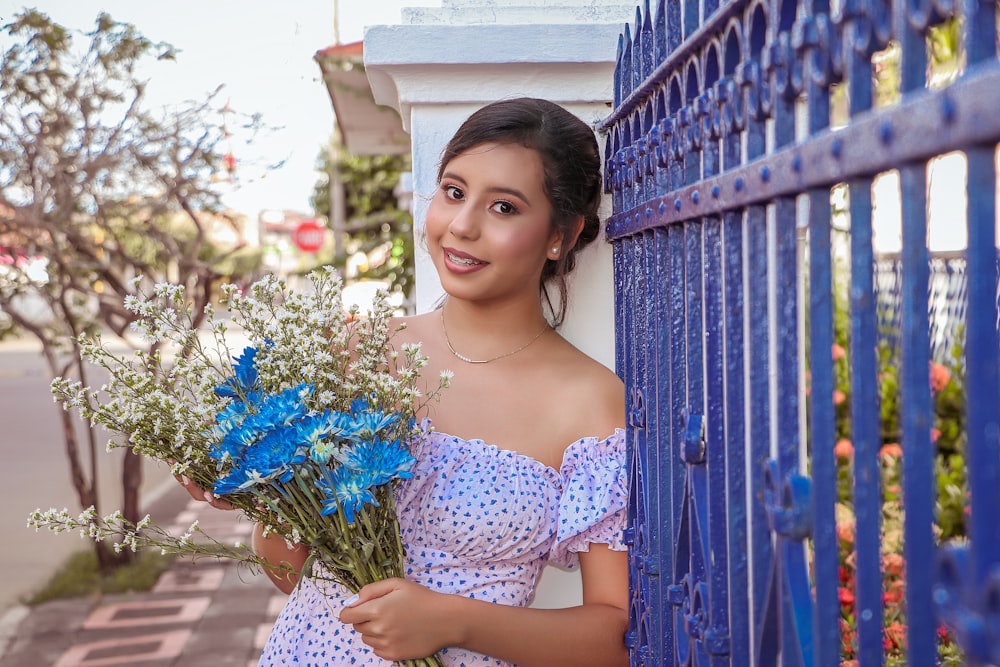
<point x="201" y="494"/>
<point x="217" y="502"/>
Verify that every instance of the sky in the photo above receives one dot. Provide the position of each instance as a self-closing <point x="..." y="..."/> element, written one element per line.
<point x="262" y="52"/>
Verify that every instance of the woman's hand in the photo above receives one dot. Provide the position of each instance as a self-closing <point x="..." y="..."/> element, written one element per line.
<point x="399" y="619"/>
<point x="201" y="494"/>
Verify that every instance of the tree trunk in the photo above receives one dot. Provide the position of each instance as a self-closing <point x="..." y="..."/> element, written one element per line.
<point x="131" y="481"/>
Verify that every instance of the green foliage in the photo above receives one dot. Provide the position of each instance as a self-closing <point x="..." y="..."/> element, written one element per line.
<point x="374" y="224"/>
<point x="80" y="576"/>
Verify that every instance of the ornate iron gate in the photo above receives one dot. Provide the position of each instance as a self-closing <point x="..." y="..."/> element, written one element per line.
<point x="721" y="157"/>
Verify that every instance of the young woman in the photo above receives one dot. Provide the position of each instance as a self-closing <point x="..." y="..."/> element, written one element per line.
<point x="525" y="463"/>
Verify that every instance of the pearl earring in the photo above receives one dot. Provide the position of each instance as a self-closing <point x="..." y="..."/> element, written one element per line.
<point x="555" y="250"/>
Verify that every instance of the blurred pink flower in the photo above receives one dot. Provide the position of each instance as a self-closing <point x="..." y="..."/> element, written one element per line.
<point x="940" y="376"/>
<point x="843" y="449"/>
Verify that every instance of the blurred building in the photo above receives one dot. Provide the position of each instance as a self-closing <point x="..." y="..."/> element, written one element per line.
<point x="365" y="128"/>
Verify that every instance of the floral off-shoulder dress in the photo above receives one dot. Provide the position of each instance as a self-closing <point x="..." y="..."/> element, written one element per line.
<point x="477" y="521"/>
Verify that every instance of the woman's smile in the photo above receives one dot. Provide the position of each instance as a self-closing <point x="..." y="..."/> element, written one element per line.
<point x="461" y="262"/>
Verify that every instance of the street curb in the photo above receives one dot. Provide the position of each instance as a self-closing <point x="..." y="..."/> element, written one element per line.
<point x="9" y="623"/>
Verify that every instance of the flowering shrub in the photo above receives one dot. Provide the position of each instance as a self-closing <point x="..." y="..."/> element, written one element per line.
<point x="946" y="383"/>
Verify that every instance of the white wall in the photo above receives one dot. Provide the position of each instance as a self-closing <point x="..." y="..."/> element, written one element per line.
<point x="443" y="64"/>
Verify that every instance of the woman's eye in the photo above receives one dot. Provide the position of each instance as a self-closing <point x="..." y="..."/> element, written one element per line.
<point x="504" y="208"/>
<point x="453" y="192"/>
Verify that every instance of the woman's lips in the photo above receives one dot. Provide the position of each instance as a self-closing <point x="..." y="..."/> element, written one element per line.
<point x="461" y="262"/>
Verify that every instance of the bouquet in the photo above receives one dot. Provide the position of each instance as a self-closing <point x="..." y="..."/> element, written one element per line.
<point x="306" y="430"/>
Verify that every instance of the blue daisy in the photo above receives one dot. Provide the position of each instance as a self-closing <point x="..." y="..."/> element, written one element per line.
<point x="384" y="460"/>
<point x="245" y="376"/>
<point x="347" y="490"/>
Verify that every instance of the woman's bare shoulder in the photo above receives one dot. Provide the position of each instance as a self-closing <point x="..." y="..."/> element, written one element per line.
<point x="596" y="390"/>
<point x="412" y="328"/>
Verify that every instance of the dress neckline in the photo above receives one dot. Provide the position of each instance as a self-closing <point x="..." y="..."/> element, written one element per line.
<point x="556" y="474"/>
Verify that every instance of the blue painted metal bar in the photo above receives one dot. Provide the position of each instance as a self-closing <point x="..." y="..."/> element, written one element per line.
<point x="822" y="433"/>
<point x="865" y="431"/>
<point x="636" y="511"/>
<point x="693" y="446"/>
<point x="716" y="639"/>
<point x="822" y="426"/>
<point x="666" y="424"/>
<point x="983" y="380"/>
<point x="736" y="457"/>
<point x="761" y="550"/>
<point x="646" y="367"/>
<point x="917" y="417"/>
<point x="982" y="344"/>
<point x="678" y="405"/>
<point x="638" y="420"/>
<point x="795" y="611"/>
<point x="917" y="409"/>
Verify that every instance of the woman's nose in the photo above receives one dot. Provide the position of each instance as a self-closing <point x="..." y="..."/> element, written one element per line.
<point x="465" y="223"/>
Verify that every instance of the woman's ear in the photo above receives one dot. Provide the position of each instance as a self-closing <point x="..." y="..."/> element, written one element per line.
<point x="563" y="240"/>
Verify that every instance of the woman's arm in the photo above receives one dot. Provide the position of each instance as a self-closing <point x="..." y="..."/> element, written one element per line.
<point x="287" y="563"/>
<point x="401" y="620"/>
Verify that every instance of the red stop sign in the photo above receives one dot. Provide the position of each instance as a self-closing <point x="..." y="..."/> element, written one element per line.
<point x="309" y="236"/>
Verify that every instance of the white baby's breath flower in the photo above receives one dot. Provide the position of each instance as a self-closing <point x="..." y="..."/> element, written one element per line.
<point x="162" y="402"/>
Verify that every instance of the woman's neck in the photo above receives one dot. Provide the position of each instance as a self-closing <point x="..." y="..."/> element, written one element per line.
<point x="478" y="332"/>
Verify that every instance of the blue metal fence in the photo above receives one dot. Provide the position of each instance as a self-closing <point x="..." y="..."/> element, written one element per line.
<point x="721" y="153"/>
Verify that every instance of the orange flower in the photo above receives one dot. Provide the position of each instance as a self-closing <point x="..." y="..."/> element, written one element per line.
<point x="893" y="564"/>
<point x="894" y="593"/>
<point x="838" y="352"/>
<point x="838" y="397"/>
<point x="843" y="449"/>
<point x="895" y="636"/>
<point x="940" y="376"/>
<point x="845" y="531"/>
<point x="891" y="450"/>
<point x="935" y="434"/>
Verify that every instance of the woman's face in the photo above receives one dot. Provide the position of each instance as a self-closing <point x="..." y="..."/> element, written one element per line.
<point x="489" y="227"/>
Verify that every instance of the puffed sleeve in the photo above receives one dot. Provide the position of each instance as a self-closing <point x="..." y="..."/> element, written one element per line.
<point x="594" y="498"/>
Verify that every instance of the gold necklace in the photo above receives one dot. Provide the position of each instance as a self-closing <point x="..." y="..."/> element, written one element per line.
<point x="470" y="360"/>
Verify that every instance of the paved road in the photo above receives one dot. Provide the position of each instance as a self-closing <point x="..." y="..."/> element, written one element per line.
<point x="34" y="472"/>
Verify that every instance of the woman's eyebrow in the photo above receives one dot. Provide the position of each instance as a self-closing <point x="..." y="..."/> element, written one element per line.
<point x="497" y="189"/>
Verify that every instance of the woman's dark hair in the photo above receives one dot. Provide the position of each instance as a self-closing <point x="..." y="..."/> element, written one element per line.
<point x="571" y="161"/>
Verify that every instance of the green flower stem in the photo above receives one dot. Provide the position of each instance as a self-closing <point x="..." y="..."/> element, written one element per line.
<point x="393" y="562"/>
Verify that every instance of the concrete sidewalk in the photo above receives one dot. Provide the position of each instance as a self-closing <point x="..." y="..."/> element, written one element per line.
<point x="207" y="613"/>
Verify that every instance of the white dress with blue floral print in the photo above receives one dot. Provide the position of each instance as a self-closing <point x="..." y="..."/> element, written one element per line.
<point x="477" y="521"/>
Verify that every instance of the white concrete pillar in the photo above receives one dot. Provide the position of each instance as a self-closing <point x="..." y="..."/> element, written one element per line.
<point x="443" y="63"/>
